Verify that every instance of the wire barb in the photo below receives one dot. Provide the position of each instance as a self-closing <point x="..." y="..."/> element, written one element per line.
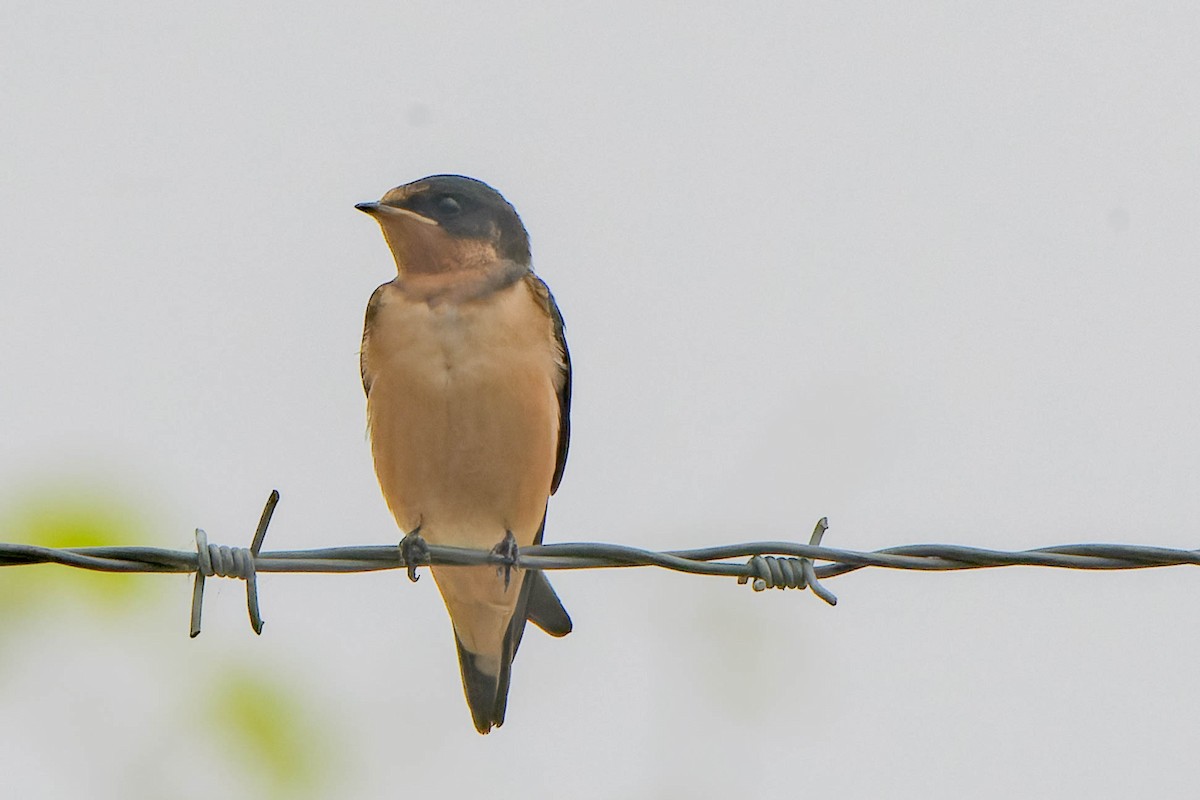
<point x="781" y="572"/>
<point x="231" y="562"/>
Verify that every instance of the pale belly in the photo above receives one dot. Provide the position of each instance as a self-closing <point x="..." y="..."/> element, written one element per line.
<point x="463" y="414"/>
<point x="466" y="452"/>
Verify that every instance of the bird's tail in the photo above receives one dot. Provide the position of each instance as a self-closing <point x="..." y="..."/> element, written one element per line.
<point x="487" y="692"/>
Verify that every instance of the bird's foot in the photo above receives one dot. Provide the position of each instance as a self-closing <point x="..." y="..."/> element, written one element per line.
<point x="509" y="554"/>
<point x="415" y="552"/>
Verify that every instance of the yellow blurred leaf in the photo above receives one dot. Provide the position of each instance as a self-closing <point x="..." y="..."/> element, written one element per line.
<point x="70" y="515"/>
<point x="271" y="729"/>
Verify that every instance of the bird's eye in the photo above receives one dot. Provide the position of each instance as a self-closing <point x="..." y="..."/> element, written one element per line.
<point x="447" y="205"/>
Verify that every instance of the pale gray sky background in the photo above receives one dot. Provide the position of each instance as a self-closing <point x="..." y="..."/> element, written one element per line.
<point x="928" y="269"/>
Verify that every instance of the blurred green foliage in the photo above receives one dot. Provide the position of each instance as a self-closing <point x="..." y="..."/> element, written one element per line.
<point x="81" y="515"/>
<point x="271" y="731"/>
<point x="266" y="730"/>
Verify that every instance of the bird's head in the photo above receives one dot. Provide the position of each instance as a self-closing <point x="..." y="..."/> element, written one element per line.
<point x="449" y="223"/>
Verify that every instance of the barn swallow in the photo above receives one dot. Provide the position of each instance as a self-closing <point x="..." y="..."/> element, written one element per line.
<point x="468" y="384"/>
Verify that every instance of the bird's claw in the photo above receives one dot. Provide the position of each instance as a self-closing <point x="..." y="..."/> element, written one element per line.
<point x="415" y="552"/>
<point x="508" y="553"/>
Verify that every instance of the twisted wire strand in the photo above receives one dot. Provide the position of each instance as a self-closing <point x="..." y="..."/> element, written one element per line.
<point x="769" y="564"/>
<point x="598" y="555"/>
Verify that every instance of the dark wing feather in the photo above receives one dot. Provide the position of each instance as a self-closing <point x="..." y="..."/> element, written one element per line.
<point x="542" y="292"/>
<point x="544" y="609"/>
<point x="372" y="308"/>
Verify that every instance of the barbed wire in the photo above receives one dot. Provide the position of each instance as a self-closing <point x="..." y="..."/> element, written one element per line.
<point x="774" y="564"/>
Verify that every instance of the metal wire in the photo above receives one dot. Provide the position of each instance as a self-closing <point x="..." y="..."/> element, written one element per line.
<point x="779" y="565"/>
